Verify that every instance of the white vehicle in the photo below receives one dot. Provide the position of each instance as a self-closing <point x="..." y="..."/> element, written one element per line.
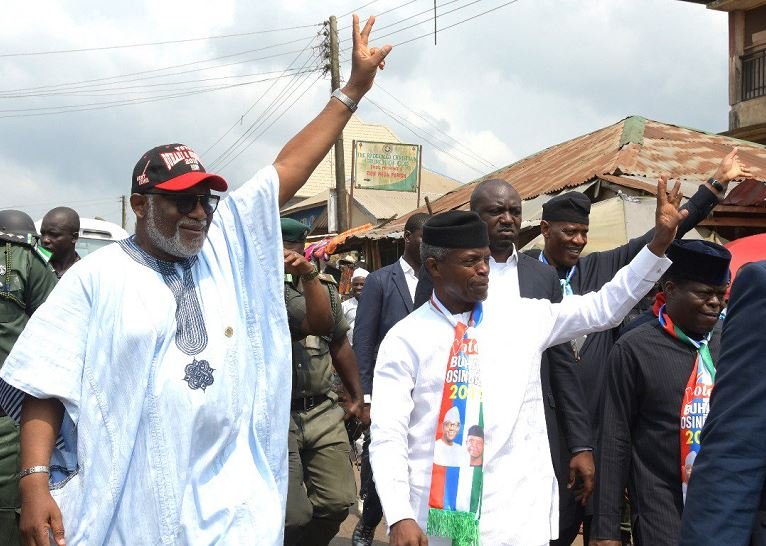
<point x="94" y="234"/>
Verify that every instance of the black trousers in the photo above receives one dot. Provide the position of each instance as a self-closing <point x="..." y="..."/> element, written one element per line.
<point x="372" y="512"/>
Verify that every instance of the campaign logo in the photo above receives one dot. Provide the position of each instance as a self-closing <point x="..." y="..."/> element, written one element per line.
<point x="181" y="153"/>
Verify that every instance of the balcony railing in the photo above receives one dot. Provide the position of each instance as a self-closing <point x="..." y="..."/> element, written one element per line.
<point x="754" y="75"/>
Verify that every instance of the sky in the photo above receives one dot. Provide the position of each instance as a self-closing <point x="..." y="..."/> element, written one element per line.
<point x="497" y="87"/>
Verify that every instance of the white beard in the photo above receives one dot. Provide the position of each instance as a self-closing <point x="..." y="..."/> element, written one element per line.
<point x="174" y="246"/>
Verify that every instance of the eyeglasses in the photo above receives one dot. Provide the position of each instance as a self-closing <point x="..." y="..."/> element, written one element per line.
<point x="187" y="202"/>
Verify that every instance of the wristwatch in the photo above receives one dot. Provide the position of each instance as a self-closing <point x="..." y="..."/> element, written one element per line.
<point x="716" y="184"/>
<point x="306" y="277"/>
<point x="342" y="97"/>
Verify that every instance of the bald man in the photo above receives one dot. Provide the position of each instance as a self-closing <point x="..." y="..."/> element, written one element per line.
<point x="58" y="234"/>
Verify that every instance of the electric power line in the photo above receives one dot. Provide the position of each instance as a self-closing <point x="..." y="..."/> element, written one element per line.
<point x="409" y="17"/>
<point x="357" y="9"/>
<point x="258" y="120"/>
<point x="284" y="111"/>
<point x="258" y="123"/>
<point x="381" y="13"/>
<point x="242" y="117"/>
<point x="130" y="88"/>
<point x="129" y="102"/>
<point x="458" y="23"/>
<point x="93" y="82"/>
<point x="468" y="151"/>
<point x="410" y="128"/>
<point x="146" y="44"/>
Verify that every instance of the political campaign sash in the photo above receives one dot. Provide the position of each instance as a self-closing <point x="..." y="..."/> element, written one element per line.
<point x="457" y="476"/>
<point x="696" y="401"/>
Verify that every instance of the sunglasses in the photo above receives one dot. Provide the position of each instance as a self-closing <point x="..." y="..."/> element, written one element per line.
<point x="187" y="202"/>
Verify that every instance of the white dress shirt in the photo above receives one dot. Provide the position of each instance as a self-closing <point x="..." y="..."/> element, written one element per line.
<point x="504" y="277"/>
<point x="409" y="276"/>
<point x="349" y="311"/>
<point x="520" y="493"/>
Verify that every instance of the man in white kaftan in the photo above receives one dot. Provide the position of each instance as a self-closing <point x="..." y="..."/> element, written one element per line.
<point x="154" y="387"/>
<point x="107" y="345"/>
<point x="519" y="502"/>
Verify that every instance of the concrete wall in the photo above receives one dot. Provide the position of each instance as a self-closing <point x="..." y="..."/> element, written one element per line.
<point x="747" y="113"/>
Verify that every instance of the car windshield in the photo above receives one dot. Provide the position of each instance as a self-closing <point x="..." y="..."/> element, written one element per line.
<point x="86" y="246"/>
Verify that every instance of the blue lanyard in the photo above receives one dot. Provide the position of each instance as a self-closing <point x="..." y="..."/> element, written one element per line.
<point x="566" y="283"/>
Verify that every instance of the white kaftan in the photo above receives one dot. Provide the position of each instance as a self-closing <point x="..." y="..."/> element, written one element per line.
<point x="169" y="441"/>
<point x="520" y="495"/>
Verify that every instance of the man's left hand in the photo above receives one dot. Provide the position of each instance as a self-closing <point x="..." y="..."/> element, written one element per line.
<point x="353" y="409"/>
<point x="581" y="464"/>
<point x="354" y="425"/>
<point x="731" y="167"/>
<point x="668" y="216"/>
<point x="365" y="60"/>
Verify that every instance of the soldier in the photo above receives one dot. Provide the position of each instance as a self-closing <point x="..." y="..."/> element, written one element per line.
<point x="318" y="443"/>
<point x="26" y="279"/>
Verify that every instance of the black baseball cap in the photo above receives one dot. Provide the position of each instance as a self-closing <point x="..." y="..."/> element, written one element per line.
<point x="172" y="167"/>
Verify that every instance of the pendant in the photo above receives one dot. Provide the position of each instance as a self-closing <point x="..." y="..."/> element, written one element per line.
<point x="199" y="374"/>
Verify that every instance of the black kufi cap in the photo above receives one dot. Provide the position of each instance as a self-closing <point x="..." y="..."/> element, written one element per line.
<point x="456" y="229"/>
<point x="572" y="206"/>
<point x="700" y="261"/>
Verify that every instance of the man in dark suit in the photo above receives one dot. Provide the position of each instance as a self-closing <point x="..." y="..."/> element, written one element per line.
<point x="514" y="275"/>
<point x="565" y="229"/>
<point x="386" y="299"/>
<point x="726" y="495"/>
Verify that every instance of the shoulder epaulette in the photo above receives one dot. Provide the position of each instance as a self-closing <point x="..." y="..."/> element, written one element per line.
<point x="328" y="279"/>
<point x="26" y="240"/>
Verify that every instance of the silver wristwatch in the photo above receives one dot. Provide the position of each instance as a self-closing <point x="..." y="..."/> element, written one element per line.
<point x="342" y="97"/>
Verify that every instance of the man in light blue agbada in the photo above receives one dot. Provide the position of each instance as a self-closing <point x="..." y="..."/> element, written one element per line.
<point x="153" y="387"/>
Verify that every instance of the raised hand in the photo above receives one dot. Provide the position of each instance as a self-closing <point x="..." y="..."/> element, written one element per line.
<point x="731" y="167"/>
<point x="365" y="60"/>
<point x="295" y="264"/>
<point x="667" y="217"/>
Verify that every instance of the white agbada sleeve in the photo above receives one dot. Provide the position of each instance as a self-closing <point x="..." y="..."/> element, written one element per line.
<point x="393" y="384"/>
<point x="584" y="314"/>
<point x="48" y="357"/>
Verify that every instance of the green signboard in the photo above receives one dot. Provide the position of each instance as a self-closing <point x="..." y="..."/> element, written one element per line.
<point x="386" y="166"/>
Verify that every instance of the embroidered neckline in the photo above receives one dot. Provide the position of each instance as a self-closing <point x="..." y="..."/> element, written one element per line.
<point x="191" y="334"/>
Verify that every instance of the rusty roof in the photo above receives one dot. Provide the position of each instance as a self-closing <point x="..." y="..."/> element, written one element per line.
<point x="635" y="150"/>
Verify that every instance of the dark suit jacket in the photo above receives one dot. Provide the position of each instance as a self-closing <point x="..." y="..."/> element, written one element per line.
<point x="562" y="392"/>
<point x="727" y="485"/>
<point x="385" y="301"/>
<point x="597" y="269"/>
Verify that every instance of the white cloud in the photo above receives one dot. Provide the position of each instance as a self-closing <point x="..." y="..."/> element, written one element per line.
<point x="506" y="84"/>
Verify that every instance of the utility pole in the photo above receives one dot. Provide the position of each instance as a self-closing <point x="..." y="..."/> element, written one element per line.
<point x="340" y="165"/>
<point x="124" y="201"/>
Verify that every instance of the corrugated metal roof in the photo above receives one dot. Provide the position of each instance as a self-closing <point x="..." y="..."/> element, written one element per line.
<point x="633" y="152"/>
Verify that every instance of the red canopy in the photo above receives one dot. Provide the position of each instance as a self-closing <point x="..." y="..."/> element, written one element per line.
<point x="746" y="250"/>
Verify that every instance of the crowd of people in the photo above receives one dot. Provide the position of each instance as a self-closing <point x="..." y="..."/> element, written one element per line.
<point x="502" y="396"/>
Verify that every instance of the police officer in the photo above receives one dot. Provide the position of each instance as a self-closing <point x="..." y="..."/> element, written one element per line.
<point x="26" y="279"/>
<point x="321" y="484"/>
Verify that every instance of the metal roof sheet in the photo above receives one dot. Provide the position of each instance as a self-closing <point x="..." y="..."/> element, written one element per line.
<point x="634" y="152"/>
